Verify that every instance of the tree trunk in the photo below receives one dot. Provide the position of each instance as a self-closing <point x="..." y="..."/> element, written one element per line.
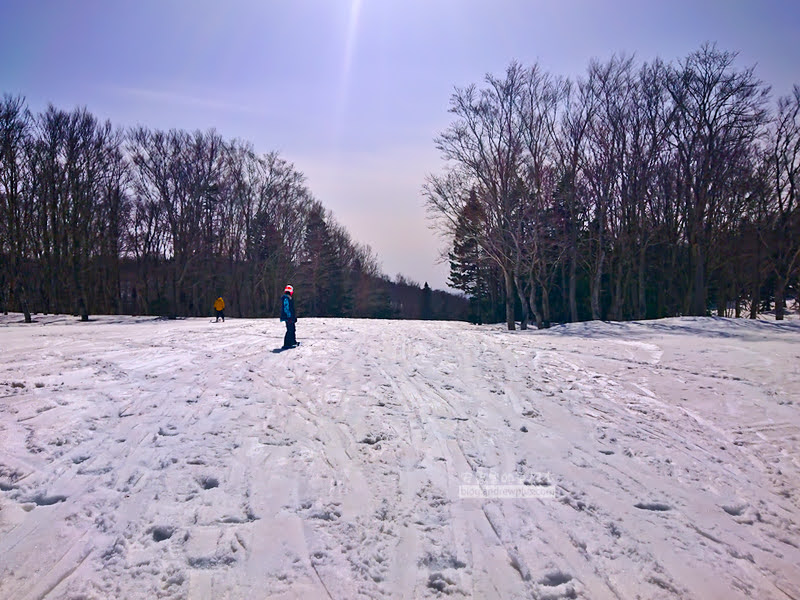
<point x="82" y="310"/>
<point x="509" y="299"/>
<point x="722" y="301"/>
<point x="597" y="279"/>
<point x="22" y="296"/>
<point x="737" y="288"/>
<point x="697" y="306"/>
<point x="546" y="305"/>
<point x="573" y="267"/>
<point x="523" y="302"/>
<point x="780" y="292"/>
<point x="755" y="287"/>
<point x="642" y="308"/>
<point x="534" y="305"/>
<point x="615" y="314"/>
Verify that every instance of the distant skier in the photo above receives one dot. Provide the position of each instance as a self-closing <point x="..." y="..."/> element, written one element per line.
<point x="288" y="314"/>
<point x="219" y="306"/>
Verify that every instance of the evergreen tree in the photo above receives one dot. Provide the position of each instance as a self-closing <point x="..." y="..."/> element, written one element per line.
<point x="427" y="302"/>
<point x="323" y="272"/>
<point x="469" y="267"/>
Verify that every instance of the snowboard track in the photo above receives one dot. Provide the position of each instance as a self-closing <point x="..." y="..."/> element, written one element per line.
<point x="173" y="460"/>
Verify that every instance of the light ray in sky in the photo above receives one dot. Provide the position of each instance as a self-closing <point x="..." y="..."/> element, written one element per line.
<point x="347" y="63"/>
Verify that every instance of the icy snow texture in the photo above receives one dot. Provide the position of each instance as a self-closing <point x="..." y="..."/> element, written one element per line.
<point x="142" y="458"/>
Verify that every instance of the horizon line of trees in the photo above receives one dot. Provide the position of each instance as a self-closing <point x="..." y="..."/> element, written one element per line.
<point x="96" y="219"/>
<point x="640" y="190"/>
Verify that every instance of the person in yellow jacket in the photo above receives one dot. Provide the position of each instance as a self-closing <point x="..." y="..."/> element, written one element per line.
<point x="219" y="306"/>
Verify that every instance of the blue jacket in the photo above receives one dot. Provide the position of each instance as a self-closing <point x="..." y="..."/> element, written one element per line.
<point x="287" y="308"/>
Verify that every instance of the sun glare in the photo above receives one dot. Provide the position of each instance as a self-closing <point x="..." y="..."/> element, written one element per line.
<point x="349" y="52"/>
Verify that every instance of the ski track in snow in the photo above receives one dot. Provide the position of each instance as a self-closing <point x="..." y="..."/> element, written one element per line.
<point x="143" y="458"/>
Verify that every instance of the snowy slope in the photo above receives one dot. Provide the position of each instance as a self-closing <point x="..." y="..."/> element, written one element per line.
<point x="143" y="458"/>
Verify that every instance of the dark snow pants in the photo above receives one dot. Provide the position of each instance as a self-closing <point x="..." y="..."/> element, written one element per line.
<point x="289" y="339"/>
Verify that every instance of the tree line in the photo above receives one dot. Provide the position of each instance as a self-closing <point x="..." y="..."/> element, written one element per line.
<point x="639" y="190"/>
<point x="101" y="220"/>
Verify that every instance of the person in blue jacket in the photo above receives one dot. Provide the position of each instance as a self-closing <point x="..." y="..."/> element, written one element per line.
<point x="288" y="314"/>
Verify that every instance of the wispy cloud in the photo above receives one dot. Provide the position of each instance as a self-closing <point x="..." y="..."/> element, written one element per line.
<point x="185" y="100"/>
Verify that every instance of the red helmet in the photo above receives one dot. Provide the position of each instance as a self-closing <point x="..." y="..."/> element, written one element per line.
<point x="289" y="289"/>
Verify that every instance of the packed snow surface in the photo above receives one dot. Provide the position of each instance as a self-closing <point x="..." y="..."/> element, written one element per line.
<point x="145" y="458"/>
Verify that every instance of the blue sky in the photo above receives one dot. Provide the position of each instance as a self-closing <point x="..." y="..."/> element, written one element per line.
<point x="353" y="92"/>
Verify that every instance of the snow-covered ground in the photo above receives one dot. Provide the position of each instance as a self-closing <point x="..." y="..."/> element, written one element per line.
<point x="143" y="458"/>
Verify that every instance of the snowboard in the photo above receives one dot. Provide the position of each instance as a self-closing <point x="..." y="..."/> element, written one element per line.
<point x="282" y="349"/>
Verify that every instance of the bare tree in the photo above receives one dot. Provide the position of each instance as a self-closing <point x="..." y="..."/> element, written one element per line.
<point x="604" y="169"/>
<point x="569" y="137"/>
<point x="784" y="209"/>
<point x="76" y="176"/>
<point x="719" y="113"/>
<point x="15" y="204"/>
<point x="485" y="142"/>
<point x="538" y="108"/>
